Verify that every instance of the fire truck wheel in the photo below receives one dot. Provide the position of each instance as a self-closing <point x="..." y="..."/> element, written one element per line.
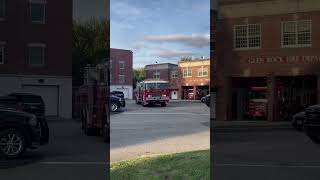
<point x="163" y="104"/>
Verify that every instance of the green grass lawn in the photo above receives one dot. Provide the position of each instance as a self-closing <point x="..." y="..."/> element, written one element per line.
<point x="184" y="166"/>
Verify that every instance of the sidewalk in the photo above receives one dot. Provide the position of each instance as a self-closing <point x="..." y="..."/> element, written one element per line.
<point x="184" y="100"/>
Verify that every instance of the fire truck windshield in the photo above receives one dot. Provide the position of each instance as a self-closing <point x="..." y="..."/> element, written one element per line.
<point x="258" y="95"/>
<point x="150" y="86"/>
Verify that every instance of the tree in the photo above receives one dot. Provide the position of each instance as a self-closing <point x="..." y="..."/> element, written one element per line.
<point x="139" y="74"/>
<point x="90" y="45"/>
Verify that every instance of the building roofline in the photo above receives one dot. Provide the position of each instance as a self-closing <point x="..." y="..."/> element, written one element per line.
<point x="161" y="64"/>
<point x="121" y="49"/>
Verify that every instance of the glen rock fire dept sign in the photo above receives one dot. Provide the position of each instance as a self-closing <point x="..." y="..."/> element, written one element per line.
<point x="284" y="60"/>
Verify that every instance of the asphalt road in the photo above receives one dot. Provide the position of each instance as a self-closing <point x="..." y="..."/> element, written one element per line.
<point x="69" y="155"/>
<point x="139" y="131"/>
<point x="264" y="154"/>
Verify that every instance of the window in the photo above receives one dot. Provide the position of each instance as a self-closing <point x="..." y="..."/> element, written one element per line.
<point x="296" y="33"/>
<point x="187" y="73"/>
<point x="36" y="54"/>
<point x="110" y="64"/>
<point x="121" y="78"/>
<point x="2" y="49"/>
<point x="121" y="64"/>
<point x="38" y="11"/>
<point x="110" y="78"/>
<point x="247" y="36"/>
<point x="174" y="74"/>
<point x="2" y="9"/>
<point x="202" y="72"/>
<point x="156" y="75"/>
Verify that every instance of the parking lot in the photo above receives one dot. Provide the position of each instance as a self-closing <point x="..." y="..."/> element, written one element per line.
<point x="264" y="153"/>
<point x="69" y="155"/>
<point x="138" y="131"/>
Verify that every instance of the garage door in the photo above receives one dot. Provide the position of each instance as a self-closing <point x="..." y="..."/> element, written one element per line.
<point x="49" y="94"/>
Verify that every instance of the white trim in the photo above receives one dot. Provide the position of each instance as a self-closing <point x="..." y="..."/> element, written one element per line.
<point x="247" y="37"/>
<point x="121" y="62"/>
<point x="187" y="72"/>
<point x="174" y="74"/>
<point x="121" y="82"/>
<point x="296" y="45"/>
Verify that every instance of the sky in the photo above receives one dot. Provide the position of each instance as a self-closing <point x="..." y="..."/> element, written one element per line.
<point x="160" y="30"/>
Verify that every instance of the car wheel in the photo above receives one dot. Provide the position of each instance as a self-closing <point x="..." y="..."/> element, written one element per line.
<point x="12" y="143"/>
<point x="114" y="107"/>
<point x="297" y="126"/>
<point x="163" y="104"/>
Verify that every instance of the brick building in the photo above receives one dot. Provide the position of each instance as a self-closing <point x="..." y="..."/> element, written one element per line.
<point x="194" y="78"/>
<point x="35" y="51"/>
<point x="121" y="71"/>
<point x="272" y="44"/>
<point x="167" y="72"/>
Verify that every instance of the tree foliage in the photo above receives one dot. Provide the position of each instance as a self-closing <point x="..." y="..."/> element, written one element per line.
<point x="90" y="45"/>
<point x="139" y="74"/>
<point x="186" y="58"/>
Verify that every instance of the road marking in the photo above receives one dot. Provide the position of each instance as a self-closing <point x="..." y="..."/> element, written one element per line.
<point x="267" y="165"/>
<point x="163" y="113"/>
<point x="74" y="163"/>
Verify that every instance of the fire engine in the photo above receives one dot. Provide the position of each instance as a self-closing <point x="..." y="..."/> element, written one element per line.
<point x="93" y="98"/>
<point x="257" y="102"/>
<point x="152" y="92"/>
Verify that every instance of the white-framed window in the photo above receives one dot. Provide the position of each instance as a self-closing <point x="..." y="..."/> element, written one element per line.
<point x="187" y="72"/>
<point x="247" y="36"/>
<point x="156" y="75"/>
<point x="121" y="78"/>
<point x="121" y="64"/>
<point x="2" y="52"/>
<point x="2" y="9"/>
<point x="174" y="74"/>
<point x="37" y="54"/>
<point x="296" y="33"/>
<point x="202" y="72"/>
<point x="38" y="11"/>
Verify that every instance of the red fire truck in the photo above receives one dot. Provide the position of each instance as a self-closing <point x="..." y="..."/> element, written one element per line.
<point x="152" y="92"/>
<point x="93" y="106"/>
<point x="257" y="103"/>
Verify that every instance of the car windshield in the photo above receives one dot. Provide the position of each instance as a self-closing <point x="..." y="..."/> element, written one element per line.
<point x="150" y="86"/>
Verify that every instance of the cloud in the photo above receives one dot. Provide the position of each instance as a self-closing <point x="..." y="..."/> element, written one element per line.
<point x="195" y="40"/>
<point x="172" y="54"/>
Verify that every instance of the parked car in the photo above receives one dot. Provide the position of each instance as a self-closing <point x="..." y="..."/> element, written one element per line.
<point x="8" y="102"/>
<point x="30" y="103"/>
<point x="206" y="100"/>
<point x="311" y="125"/>
<point x="116" y="103"/>
<point x="298" y="120"/>
<point x="20" y="131"/>
<point x="119" y="94"/>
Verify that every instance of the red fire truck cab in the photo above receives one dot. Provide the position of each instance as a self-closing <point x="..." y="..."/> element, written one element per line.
<point x="152" y="92"/>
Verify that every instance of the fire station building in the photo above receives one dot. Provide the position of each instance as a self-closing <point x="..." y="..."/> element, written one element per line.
<point x="268" y="50"/>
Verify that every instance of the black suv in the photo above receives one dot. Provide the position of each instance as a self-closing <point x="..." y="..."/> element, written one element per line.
<point x="311" y="126"/>
<point x="31" y="103"/>
<point x="116" y="103"/>
<point x="19" y="131"/>
<point x="120" y="95"/>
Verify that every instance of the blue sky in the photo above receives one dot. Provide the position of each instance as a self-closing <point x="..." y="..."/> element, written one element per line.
<point x="161" y="30"/>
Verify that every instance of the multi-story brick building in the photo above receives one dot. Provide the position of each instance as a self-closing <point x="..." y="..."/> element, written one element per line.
<point x="273" y="44"/>
<point x="35" y="51"/>
<point x="121" y="71"/>
<point x="167" y="72"/>
<point x="194" y="78"/>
